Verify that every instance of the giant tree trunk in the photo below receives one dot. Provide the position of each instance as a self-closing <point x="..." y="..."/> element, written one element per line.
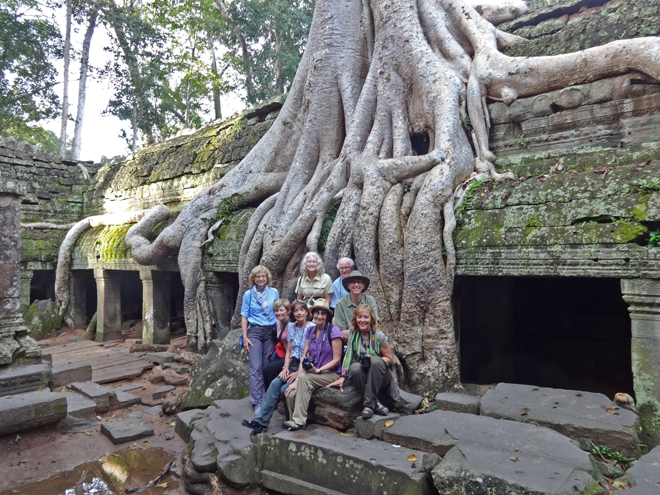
<point x="373" y="73"/>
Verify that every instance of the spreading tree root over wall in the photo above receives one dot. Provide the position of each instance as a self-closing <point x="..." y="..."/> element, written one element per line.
<point x="373" y="72"/>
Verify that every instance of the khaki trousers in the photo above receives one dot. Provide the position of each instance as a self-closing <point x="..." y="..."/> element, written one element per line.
<point x="298" y="401"/>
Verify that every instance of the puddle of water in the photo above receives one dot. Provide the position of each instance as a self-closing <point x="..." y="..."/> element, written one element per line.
<point x="110" y="475"/>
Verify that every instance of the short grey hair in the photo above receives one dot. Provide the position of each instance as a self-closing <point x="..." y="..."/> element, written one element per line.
<point x="346" y="258"/>
<point x="320" y="270"/>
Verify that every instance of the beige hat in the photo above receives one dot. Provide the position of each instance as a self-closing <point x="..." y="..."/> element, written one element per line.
<point x="355" y="275"/>
<point x="321" y="303"/>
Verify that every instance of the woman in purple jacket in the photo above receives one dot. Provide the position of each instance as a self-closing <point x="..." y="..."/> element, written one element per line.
<point x="323" y="347"/>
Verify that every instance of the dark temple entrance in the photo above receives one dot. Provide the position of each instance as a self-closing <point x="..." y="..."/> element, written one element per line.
<point x="571" y="333"/>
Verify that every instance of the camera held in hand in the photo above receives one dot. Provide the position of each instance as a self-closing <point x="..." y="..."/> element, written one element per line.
<point x="307" y="363"/>
<point x="364" y="360"/>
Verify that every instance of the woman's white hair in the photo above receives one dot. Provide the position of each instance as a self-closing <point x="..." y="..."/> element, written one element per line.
<point x="346" y="258"/>
<point x="320" y="270"/>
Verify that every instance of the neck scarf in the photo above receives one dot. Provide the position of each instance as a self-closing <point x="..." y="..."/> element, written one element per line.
<point x="353" y="348"/>
<point x="262" y="300"/>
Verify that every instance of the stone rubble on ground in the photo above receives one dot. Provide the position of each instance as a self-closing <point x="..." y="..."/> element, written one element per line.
<point x="28" y="410"/>
<point x="69" y="373"/>
<point x="160" y="357"/>
<point x="122" y="430"/>
<point x="25" y="378"/>
<point x="162" y="391"/>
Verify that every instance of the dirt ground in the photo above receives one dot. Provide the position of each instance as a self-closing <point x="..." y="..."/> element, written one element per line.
<point x="44" y="453"/>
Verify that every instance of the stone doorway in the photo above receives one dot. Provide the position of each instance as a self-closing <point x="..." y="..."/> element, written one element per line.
<point x="571" y="333"/>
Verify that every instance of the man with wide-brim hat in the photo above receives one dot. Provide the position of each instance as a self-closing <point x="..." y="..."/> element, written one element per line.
<point x="355" y="284"/>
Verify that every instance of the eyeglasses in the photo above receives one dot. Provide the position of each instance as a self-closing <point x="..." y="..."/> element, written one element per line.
<point x="343" y="268"/>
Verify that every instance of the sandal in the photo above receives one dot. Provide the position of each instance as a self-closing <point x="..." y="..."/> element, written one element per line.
<point x="292" y="426"/>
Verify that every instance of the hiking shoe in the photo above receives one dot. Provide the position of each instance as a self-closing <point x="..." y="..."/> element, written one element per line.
<point x="253" y="425"/>
<point x="367" y="413"/>
<point x="292" y="426"/>
<point x="381" y="410"/>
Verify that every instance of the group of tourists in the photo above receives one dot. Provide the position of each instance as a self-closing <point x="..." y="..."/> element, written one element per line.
<point x="329" y="334"/>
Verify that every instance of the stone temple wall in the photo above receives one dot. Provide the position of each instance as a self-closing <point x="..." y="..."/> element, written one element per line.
<point x="52" y="191"/>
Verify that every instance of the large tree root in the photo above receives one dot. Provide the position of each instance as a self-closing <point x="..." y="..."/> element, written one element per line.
<point x="63" y="273"/>
<point x="374" y="72"/>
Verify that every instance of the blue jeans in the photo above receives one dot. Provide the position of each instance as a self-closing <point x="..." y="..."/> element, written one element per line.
<point x="273" y="395"/>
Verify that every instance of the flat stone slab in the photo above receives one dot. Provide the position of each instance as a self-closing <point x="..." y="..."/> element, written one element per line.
<point x="124" y="430"/>
<point x="318" y="459"/>
<point x="185" y="420"/>
<point x="449" y="401"/>
<point x="584" y="416"/>
<point x="69" y="373"/>
<point x="373" y="427"/>
<point x="181" y="370"/>
<point x="22" y="379"/>
<point x="103" y="397"/>
<point x="408" y="403"/>
<point x="160" y="357"/>
<point x="153" y="411"/>
<point x="644" y="475"/>
<point x="78" y="405"/>
<point x="161" y="392"/>
<point x="30" y="410"/>
<point x="128" y="388"/>
<point x="516" y="457"/>
<point x="124" y="399"/>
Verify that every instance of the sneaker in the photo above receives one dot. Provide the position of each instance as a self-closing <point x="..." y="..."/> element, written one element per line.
<point x="367" y="413"/>
<point x="291" y="426"/>
<point x="257" y="410"/>
<point x="381" y="410"/>
<point x="253" y="425"/>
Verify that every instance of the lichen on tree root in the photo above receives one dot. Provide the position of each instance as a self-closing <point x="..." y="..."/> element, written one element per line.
<point x="373" y="73"/>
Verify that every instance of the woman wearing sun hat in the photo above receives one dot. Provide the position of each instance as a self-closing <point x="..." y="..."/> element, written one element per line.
<point x="323" y="346"/>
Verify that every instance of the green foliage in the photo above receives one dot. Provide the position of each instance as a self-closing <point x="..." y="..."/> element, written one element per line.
<point x="275" y="34"/>
<point x="613" y="455"/>
<point x="654" y="239"/>
<point x="327" y="225"/>
<point x="644" y="185"/>
<point x="229" y="207"/>
<point x="48" y="140"/>
<point x="29" y="42"/>
<point x="471" y="189"/>
<point x="523" y="141"/>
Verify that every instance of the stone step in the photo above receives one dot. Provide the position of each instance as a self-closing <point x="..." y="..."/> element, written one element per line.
<point x="449" y="401"/>
<point x="78" y="405"/>
<point x="585" y="416"/>
<point x="22" y="379"/>
<point x="321" y="460"/>
<point x="70" y="373"/>
<point x="104" y="397"/>
<point x="644" y="475"/>
<point x="30" y="410"/>
<point x="494" y="455"/>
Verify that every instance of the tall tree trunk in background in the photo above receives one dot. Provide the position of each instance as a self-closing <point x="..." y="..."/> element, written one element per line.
<point x="134" y="122"/>
<point x="215" y="88"/>
<point x="279" y="81"/>
<point x="65" y="87"/>
<point x="82" y="84"/>
<point x="245" y="53"/>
